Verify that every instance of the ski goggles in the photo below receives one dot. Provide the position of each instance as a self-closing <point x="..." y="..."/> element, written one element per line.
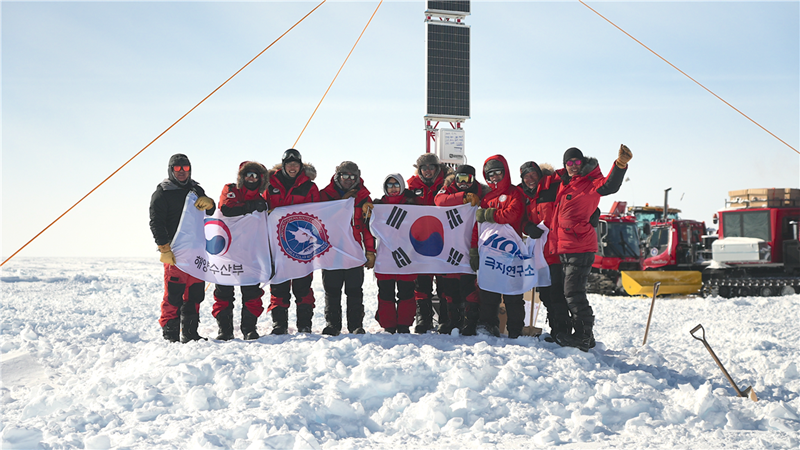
<point x="251" y="175"/>
<point x="393" y="185"/>
<point x="184" y="168"/>
<point x="576" y="162"/>
<point x="494" y="173"/>
<point x="464" y="178"/>
<point x="347" y="176"/>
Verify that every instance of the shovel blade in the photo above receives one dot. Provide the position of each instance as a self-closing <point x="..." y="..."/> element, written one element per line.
<point x="749" y="392"/>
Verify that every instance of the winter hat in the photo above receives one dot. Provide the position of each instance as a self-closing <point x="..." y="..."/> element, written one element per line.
<point x="178" y="159"/>
<point x="291" y="155"/>
<point x="529" y="167"/>
<point x="493" y="164"/>
<point x="427" y="159"/>
<point x="573" y="152"/>
<point x="348" y="167"/>
<point x="464" y="168"/>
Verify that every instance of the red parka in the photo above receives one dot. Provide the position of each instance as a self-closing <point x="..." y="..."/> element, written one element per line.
<point x="541" y="207"/>
<point x="404" y="198"/>
<point x="425" y="193"/>
<point x="360" y="230"/>
<point x="234" y="197"/>
<point x="577" y="200"/>
<point x="507" y="200"/>
<point x="283" y="191"/>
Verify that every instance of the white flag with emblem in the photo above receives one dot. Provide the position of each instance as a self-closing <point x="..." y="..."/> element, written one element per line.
<point x="312" y="236"/>
<point x="422" y="239"/>
<point x="224" y="250"/>
<point x="509" y="264"/>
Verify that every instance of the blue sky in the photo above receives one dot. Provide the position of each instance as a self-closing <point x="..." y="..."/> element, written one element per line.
<point x="86" y="85"/>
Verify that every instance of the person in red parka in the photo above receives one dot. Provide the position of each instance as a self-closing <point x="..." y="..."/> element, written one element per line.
<point x="582" y="186"/>
<point x="460" y="289"/>
<point x="396" y="310"/>
<point x="540" y="186"/>
<point x="292" y="183"/>
<point x="426" y="182"/>
<point x="504" y="204"/>
<point x="237" y="199"/>
<point x="347" y="183"/>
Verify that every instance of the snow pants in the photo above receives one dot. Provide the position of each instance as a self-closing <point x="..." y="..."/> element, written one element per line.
<point x="351" y="280"/>
<point x="180" y="290"/>
<point x="395" y="309"/>
<point x="576" y="268"/>
<point x="251" y="299"/>
<point x="552" y="297"/>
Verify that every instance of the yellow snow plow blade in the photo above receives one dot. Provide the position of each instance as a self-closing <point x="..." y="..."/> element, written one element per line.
<point x="672" y="282"/>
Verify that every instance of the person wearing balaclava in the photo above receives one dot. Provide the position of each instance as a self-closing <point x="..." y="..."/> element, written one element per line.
<point x="504" y="204"/>
<point x="460" y="290"/>
<point x="583" y="184"/>
<point x="237" y="199"/>
<point x="426" y="182"/>
<point x="346" y="183"/>
<point x="183" y="293"/>
<point x="290" y="183"/>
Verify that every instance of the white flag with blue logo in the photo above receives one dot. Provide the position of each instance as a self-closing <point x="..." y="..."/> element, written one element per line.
<point x="224" y="250"/>
<point x="312" y="236"/>
<point x="509" y="264"/>
<point x="418" y="239"/>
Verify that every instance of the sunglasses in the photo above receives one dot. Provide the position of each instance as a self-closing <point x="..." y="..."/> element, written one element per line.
<point x="464" y="178"/>
<point x="251" y="175"/>
<point x="428" y="167"/>
<point x="347" y="176"/>
<point x="393" y="185"/>
<point x="178" y="168"/>
<point x="494" y="173"/>
<point x="577" y="162"/>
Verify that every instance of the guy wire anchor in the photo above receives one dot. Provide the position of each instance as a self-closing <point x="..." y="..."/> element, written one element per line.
<point x="747" y="392"/>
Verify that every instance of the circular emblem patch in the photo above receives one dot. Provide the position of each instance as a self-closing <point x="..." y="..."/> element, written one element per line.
<point x="218" y="236"/>
<point x="302" y="237"/>
<point x="418" y="192"/>
<point x="502" y="198"/>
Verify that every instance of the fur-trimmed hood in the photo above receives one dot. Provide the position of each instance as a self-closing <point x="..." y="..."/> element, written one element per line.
<point x="547" y="170"/>
<point x="484" y="189"/>
<point x="308" y="168"/>
<point x="252" y="166"/>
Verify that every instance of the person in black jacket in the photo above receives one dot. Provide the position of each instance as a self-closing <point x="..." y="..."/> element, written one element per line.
<point x="180" y="308"/>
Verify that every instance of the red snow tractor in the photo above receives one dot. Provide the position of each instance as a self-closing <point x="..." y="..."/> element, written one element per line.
<point x="618" y="249"/>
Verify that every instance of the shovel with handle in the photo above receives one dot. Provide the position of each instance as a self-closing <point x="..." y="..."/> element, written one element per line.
<point x="652" y="304"/>
<point x="747" y="392"/>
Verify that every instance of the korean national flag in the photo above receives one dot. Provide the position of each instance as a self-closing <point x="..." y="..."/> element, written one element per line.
<point x="422" y="239"/>
<point x="224" y="250"/>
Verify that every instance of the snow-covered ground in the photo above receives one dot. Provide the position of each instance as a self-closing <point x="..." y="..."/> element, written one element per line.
<point x="84" y="366"/>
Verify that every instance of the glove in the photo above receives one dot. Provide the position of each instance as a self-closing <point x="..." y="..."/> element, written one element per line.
<point x="533" y="231"/>
<point x="480" y="215"/>
<point x="167" y="257"/>
<point x="624" y="156"/>
<point x="472" y="199"/>
<point x="366" y="208"/>
<point x="370" y="260"/>
<point x="204" y="203"/>
<point x="258" y="204"/>
<point x="489" y="215"/>
<point x="474" y="259"/>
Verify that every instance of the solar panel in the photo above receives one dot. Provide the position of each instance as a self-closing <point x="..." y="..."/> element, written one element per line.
<point x="449" y="6"/>
<point x="447" y="80"/>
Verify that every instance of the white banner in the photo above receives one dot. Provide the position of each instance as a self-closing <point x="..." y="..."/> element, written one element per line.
<point x="312" y="236"/>
<point x="508" y="264"/>
<point x="222" y="250"/>
<point x="422" y="239"/>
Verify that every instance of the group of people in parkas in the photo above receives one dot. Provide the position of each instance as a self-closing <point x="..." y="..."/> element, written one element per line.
<point x="564" y="200"/>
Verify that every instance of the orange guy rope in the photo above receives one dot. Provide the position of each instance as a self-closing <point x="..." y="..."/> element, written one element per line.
<point x="687" y="76"/>
<point x="337" y="74"/>
<point x="164" y="132"/>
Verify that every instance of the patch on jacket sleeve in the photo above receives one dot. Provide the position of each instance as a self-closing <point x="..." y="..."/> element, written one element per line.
<point x="231" y="195"/>
<point x="502" y="198"/>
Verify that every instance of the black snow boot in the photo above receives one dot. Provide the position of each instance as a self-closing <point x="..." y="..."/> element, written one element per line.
<point x="280" y="320"/>
<point x="248" y="327"/>
<point x="333" y="315"/>
<point x="355" y="316"/>
<point x="455" y="319"/>
<point x="304" y="315"/>
<point x="470" y="327"/>
<point x="225" y="323"/>
<point x="190" y="319"/>
<point x="582" y="339"/>
<point x="424" y="319"/>
<point x="403" y="329"/>
<point x="172" y="330"/>
<point x="557" y="326"/>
